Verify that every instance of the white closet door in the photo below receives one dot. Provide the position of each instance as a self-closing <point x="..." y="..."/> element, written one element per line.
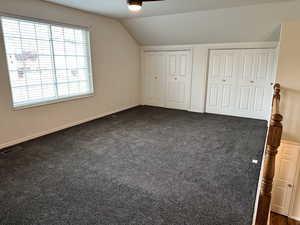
<point x="255" y="83"/>
<point x="178" y="80"/>
<point x="154" y="70"/>
<point x="222" y="78"/>
<point x="240" y="82"/>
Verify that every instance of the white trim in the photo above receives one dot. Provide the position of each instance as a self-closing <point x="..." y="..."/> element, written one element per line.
<point x="142" y="76"/>
<point x="68" y="125"/>
<point x="191" y="68"/>
<point x="233" y="45"/>
<point x="294" y="218"/>
<point x="243" y="45"/>
<point x="89" y="55"/>
<point x="50" y="102"/>
<point x="40" y="20"/>
<point x="294" y="191"/>
<point x="167" y="48"/>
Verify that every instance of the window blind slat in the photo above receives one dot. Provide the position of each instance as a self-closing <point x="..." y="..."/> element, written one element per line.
<point x="46" y="62"/>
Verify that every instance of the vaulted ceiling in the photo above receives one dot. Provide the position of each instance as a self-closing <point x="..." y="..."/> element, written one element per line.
<point x="254" y="23"/>
<point x="175" y="22"/>
<point x="118" y="8"/>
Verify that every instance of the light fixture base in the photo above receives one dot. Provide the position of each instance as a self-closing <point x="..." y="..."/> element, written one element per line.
<point x="134" y="5"/>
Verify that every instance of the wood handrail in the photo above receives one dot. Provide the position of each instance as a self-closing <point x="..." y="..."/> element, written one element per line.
<point x="273" y="142"/>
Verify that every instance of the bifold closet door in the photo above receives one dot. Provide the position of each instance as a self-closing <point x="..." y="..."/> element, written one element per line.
<point x="240" y="82"/>
<point x="255" y="84"/>
<point x="153" y="84"/>
<point x="178" y="80"/>
<point x="222" y="81"/>
<point x="167" y="79"/>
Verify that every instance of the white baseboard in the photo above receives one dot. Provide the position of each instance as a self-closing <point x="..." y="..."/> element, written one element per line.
<point x="195" y="110"/>
<point x="36" y="135"/>
<point x="295" y="218"/>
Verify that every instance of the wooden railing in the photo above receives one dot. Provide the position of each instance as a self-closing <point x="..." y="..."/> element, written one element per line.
<point x="273" y="142"/>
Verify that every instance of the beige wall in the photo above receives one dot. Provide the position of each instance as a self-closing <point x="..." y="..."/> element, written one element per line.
<point x="289" y="77"/>
<point x="115" y="59"/>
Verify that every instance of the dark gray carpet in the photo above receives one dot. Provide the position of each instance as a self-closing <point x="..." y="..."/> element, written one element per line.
<point x="144" y="166"/>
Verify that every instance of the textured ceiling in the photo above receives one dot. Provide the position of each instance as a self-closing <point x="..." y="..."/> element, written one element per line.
<point x="118" y="8"/>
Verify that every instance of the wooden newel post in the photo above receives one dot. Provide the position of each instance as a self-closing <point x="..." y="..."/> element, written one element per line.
<point x="273" y="142"/>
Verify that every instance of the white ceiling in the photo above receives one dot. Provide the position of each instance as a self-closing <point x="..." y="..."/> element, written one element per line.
<point x="253" y="23"/>
<point x="118" y="8"/>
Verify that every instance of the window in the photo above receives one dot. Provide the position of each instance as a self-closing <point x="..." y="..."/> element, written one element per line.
<point x="46" y="62"/>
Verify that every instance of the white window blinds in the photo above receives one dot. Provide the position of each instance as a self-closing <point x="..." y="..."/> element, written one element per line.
<point x="46" y="62"/>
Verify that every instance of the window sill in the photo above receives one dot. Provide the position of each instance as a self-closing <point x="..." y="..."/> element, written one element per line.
<point x="50" y="102"/>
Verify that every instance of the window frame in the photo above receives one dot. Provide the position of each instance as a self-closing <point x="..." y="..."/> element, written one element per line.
<point x="57" y="99"/>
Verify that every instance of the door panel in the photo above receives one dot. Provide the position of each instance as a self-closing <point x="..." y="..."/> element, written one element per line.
<point x="259" y="96"/>
<point x="244" y="103"/>
<point x="221" y="81"/>
<point x="178" y="81"/>
<point x="176" y="92"/>
<point x="213" y="95"/>
<point x="280" y="199"/>
<point x="153" y="80"/>
<point x="172" y="65"/>
<point x="183" y="65"/>
<point x="227" y="93"/>
<point x="257" y="73"/>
